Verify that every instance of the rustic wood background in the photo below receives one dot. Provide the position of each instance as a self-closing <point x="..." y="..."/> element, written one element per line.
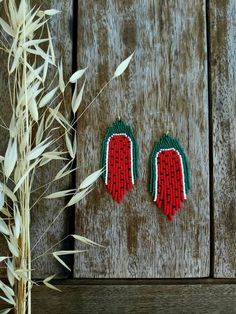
<point x="182" y="79"/>
<point x="166" y="82"/>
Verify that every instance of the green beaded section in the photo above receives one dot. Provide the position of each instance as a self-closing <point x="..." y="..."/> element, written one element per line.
<point x="168" y="142"/>
<point x="119" y="126"/>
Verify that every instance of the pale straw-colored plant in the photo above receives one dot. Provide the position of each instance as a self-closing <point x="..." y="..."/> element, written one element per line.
<point x="36" y="105"/>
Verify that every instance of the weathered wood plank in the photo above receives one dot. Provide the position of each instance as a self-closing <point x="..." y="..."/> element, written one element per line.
<point x="223" y="67"/>
<point x="166" y="81"/>
<point x="143" y="299"/>
<point x="45" y="211"/>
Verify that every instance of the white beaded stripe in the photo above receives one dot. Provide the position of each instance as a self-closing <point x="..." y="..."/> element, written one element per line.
<point x="156" y="172"/>
<point x="182" y="167"/>
<point x="107" y="151"/>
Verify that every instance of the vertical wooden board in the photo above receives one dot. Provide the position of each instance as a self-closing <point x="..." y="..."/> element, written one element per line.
<point x="223" y="67"/>
<point x="167" y="79"/>
<point x="44" y="213"/>
<point x="46" y="210"/>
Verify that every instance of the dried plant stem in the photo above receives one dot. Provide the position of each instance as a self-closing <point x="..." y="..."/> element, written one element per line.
<point x="95" y="98"/>
<point x="24" y="284"/>
<point x="48" y="227"/>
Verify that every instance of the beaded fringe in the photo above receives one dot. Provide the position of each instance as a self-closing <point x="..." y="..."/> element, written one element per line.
<point x="169" y="175"/>
<point x="119" y="157"/>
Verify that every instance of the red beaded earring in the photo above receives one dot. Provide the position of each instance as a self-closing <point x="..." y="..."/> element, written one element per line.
<point x="169" y="175"/>
<point x="119" y="158"/>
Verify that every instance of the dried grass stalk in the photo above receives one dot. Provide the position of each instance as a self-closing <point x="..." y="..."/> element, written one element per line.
<point x="35" y="104"/>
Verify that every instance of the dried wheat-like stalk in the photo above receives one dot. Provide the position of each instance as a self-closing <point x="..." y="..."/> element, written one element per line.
<point x="36" y="105"/>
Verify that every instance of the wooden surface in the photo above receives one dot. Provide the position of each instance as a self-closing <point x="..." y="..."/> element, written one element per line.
<point x="46" y="210"/>
<point x="223" y="67"/>
<point x="106" y="299"/>
<point x="164" y="89"/>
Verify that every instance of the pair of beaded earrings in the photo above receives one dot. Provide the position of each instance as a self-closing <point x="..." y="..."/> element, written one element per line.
<point x="169" y="170"/>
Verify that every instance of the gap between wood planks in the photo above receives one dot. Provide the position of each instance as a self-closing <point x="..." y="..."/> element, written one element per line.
<point x="181" y="281"/>
<point x="74" y="32"/>
<point x="210" y="128"/>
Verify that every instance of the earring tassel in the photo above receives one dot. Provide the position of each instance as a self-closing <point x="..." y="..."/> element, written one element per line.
<point x="170" y="175"/>
<point x="119" y="158"/>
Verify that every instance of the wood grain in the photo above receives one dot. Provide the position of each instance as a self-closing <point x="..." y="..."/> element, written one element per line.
<point x="223" y="67"/>
<point x="165" y="88"/>
<point x="143" y="299"/>
<point x="45" y="211"/>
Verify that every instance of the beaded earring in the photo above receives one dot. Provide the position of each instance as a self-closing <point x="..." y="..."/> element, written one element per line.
<point x="119" y="158"/>
<point x="169" y="175"/>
